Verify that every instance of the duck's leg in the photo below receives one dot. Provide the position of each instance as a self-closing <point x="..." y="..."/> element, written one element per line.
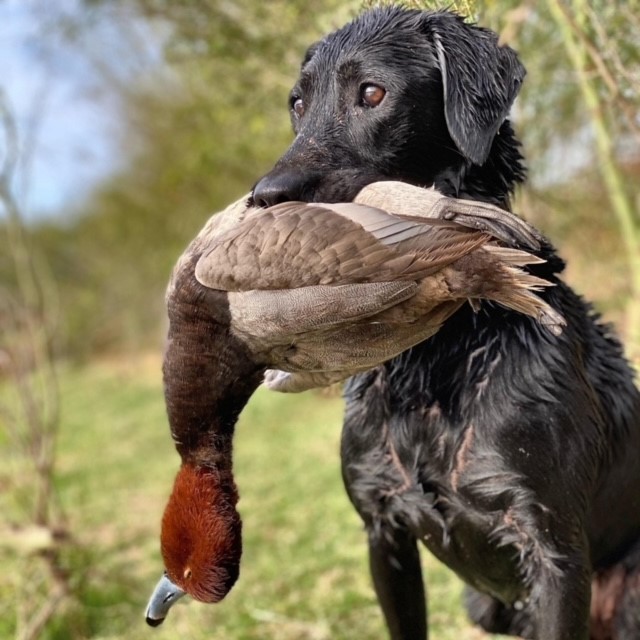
<point x="397" y="577"/>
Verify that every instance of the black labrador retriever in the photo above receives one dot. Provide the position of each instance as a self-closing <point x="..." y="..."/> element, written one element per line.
<point x="512" y="454"/>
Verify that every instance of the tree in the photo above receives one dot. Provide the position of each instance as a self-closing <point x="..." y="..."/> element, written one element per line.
<point x="29" y="411"/>
<point x="609" y="90"/>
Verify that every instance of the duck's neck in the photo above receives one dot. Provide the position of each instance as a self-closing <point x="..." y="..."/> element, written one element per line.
<point x="209" y="376"/>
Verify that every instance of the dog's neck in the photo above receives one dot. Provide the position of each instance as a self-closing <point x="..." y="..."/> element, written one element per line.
<point x="492" y="182"/>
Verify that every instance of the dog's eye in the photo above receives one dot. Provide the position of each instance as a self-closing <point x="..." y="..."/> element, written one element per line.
<point x="297" y="104"/>
<point x="372" y="94"/>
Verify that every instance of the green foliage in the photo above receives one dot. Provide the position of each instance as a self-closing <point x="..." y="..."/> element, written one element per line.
<point x="466" y="8"/>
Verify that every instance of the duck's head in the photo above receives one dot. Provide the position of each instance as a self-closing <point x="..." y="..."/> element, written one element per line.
<point x="201" y="541"/>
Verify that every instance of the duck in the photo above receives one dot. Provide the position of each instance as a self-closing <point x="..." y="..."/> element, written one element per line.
<point x="301" y="295"/>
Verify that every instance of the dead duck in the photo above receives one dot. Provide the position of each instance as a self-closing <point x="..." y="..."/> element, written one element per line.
<point x="317" y="291"/>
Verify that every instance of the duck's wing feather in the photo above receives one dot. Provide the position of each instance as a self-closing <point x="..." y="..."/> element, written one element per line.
<point x="319" y="359"/>
<point x="272" y="316"/>
<point x="408" y="200"/>
<point x="297" y="244"/>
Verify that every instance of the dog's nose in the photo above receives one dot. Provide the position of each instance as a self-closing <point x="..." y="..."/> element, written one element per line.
<point x="279" y="187"/>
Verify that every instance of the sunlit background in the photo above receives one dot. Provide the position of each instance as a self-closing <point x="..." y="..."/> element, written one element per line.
<point x="123" y="125"/>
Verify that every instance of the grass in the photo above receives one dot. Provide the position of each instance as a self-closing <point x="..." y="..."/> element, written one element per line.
<point x="304" y="569"/>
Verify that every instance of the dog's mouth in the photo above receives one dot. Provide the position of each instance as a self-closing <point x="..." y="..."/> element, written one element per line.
<point x="337" y="185"/>
<point x="286" y="185"/>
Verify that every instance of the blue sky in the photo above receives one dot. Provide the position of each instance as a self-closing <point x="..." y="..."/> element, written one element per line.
<point x="51" y="79"/>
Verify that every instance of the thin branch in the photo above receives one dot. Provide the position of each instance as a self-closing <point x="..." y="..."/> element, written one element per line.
<point x="32" y="371"/>
<point x="515" y="19"/>
<point x="621" y="205"/>
<point x="603" y="70"/>
<point x="38" y="622"/>
<point x="612" y="50"/>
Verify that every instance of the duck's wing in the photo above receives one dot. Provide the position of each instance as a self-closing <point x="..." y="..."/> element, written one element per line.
<point x="271" y="317"/>
<point x="404" y="199"/>
<point x="296" y="244"/>
<point x="318" y="360"/>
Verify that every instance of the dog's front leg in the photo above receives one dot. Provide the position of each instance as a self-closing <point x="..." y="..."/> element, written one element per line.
<point x="397" y="577"/>
<point x="562" y="599"/>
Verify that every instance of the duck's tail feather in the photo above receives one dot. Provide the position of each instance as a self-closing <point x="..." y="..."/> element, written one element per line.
<point x="516" y="288"/>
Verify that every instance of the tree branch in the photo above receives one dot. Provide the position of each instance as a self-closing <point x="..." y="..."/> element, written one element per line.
<point x="603" y="70"/>
<point x="620" y="203"/>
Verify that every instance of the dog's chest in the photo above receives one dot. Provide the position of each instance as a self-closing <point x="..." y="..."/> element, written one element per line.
<point x="448" y="489"/>
<point x="466" y="509"/>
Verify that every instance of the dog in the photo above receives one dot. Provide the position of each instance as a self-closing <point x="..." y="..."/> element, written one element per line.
<point x="512" y="454"/>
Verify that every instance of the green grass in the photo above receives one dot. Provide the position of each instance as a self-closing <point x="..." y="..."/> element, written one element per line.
<point x="304" y="569"/>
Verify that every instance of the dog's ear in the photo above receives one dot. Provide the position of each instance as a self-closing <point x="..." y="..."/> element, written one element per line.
<point x="480" y="78"/>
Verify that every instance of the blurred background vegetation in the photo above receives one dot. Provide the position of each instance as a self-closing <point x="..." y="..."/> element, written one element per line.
<point x="195" y="92"/>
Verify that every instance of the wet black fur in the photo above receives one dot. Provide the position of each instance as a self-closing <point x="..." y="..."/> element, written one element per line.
<point x="512" y="454"/>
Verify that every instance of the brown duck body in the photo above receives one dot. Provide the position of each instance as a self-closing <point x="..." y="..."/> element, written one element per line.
<point x="320" y="291"/>
<point x="327" y="290"/>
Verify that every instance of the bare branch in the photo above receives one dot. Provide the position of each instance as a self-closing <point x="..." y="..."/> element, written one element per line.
<point x="612" y="51"/>
<point x="37" y="623"/>
<point x="33" y="422"/>
<point x="515" y="19"/>
<point x="620" y="202"/>
<point x="608" y="78"/>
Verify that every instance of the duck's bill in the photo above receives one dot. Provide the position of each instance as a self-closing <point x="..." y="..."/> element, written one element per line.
<point x="164" y="596"/>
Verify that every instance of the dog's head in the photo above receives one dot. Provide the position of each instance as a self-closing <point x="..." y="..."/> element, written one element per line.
<point x="395" y="94"/>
